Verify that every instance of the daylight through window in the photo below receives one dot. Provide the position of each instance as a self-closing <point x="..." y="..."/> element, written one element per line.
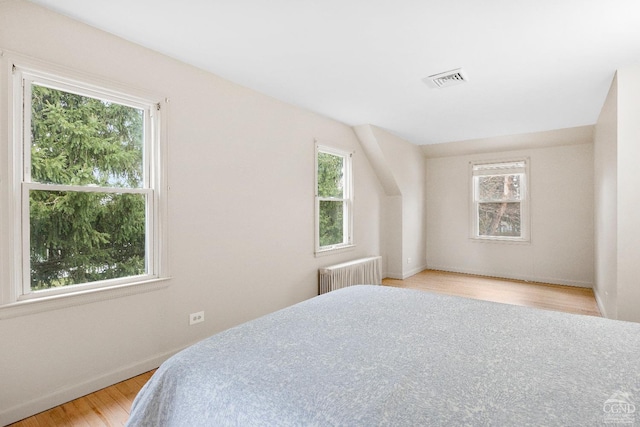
<point x="88" y="193"/>
<point x="333" y="199"/>
<point x="499" y="200"/>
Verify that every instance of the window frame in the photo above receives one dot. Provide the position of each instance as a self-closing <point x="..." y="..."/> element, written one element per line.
<point x="15" y="290"/>
<point x="347" y="200"/>
<point x="475" y="201"/>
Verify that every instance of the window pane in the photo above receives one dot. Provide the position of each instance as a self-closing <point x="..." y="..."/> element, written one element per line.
<point x="78" y="140"/>
<point x="499" y="187"/>
<point x="79" y="237"/>
<point x="499" y="219"/>
<point x="331" y="222"/>
<point x="330" y="175"/>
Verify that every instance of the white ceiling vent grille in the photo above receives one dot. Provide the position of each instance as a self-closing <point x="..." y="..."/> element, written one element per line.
<point x="446" y="79"/>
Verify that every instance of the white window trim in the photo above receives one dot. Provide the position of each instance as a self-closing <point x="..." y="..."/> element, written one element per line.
<point x="14" y="301"/>
<point x="347" y="199"/>
<point x="525" y="213"/>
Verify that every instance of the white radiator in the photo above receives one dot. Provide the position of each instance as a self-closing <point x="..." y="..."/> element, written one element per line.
<point x="364" y="271"/>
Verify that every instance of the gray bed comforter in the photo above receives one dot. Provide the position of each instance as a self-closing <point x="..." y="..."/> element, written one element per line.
<point x="380" y="356"/>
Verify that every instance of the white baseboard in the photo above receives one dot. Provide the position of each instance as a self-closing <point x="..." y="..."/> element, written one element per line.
<point x="389" y="275"/>
<point x="527" y="278"/>
<point x="413" y="271"/>
<point x="603" y="312"/>
<point x="27" y="409"/>
<point x="404" y="275"/>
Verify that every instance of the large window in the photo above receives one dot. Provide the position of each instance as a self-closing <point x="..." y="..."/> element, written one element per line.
<point x="500" y="208"/>
<point x="334" y="199"/>
<point x="87" y="175"/>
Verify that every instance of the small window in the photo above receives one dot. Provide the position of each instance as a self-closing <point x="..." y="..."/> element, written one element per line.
<point x="500" y="208"/>
<point x="334" y="199"/>
<point x="89" y="172"/>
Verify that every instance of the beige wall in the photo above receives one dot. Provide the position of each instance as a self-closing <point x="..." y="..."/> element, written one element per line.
<point x="617" y="142"/>
<point x="400" y="167"/>
<point x="241" y="214"/>
<point x="605" y="193"/>
<point x="628" y="222"/>
<point x="408" y="165"/>
<point x="241" y="218"/>
<point x="561" y="206"/>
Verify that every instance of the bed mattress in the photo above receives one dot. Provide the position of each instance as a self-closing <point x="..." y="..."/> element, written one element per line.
<point x="381" y="356"/>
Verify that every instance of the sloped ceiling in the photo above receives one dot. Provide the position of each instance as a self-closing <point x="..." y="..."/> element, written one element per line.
<point x="533" y="65"/>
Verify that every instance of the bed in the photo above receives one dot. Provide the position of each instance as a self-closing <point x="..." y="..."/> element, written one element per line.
<point x="381" y="356"/>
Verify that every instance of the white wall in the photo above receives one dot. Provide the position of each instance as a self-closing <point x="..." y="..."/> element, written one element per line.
<point x="523" y="141"/>
<point x="617" y="142"/>
<point x="606" y="205"/>
<point x="407" y="163"/>
<point x="400" y="167"/>
<point x="628" y="218"/>
<point x="241" y="218"/>
<point x="561" y="203"/>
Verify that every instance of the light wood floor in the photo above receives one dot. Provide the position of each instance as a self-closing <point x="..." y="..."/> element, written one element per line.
<point x="107" y="407"/>
<point x="110" y="406"/>
<point x="569" y="299"/>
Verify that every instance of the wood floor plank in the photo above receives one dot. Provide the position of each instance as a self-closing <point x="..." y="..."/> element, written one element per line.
<point x="28" y="422"/>
<point x="114" y="413"/>
<point x="73" y="416"/>
<point x="541" y="295"/>
<point x="106" y="407"/>
<point x="129" y="389"/>
<point x="89" y="412"/>
<point x="59" y="417"/>
<point x="111" y="406"/>
<point x="49" y="418"/>
<point x="120" y="399"/>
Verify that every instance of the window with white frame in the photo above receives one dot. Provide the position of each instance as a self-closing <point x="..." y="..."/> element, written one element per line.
<point x="500" y="202"/>
<point x="334" y="199"/>
<point x="87" y="169"/>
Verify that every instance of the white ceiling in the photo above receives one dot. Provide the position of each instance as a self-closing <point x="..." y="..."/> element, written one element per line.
<point x="533" y="65"/>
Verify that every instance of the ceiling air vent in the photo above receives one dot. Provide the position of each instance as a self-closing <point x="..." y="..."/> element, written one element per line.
<point x="446" y="79"/>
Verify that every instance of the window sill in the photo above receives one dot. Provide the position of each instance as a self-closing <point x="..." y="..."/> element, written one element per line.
<point x="500" y="240"/>
<point x="336" y="250"/>
<point x="55" y="302"/>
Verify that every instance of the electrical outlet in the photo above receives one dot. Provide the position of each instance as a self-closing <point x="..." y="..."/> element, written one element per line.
<point x="196" y="318"/>
<point x="408" y="260"/>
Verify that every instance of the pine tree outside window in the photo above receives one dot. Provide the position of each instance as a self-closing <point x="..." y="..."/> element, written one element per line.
<point x="334" y="199"/>
<point x="88" y="161"/>
<point x="500" y="208"/>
